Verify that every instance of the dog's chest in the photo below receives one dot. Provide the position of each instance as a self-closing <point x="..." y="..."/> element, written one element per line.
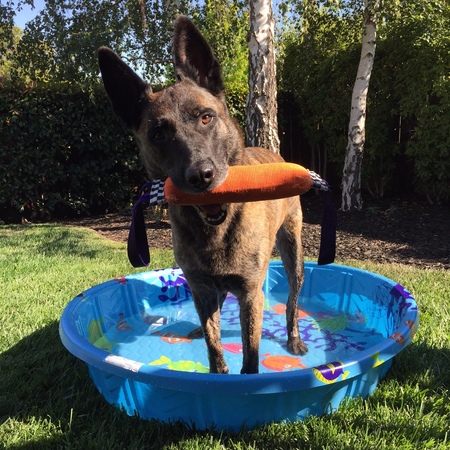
<point x="230" y="248"/>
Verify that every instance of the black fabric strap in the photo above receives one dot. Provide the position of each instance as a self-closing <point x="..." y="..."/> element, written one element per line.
<point x="327" y="250"/>
<point x="138" y="251"/>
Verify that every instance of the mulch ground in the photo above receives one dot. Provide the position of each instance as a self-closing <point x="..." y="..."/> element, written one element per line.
<point x="389" y="231"/>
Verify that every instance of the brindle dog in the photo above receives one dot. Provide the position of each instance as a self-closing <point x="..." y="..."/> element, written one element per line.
<point x="185" y="132"/>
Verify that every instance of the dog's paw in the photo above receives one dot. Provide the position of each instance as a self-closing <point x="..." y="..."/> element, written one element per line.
<point x="221" y="368"/>
<point x="296" y="346"/>
<point x="196" y="334"/>
<point x="250" y="370"/>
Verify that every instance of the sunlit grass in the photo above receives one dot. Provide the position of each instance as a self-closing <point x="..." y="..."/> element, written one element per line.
<point x="48" y="401"/>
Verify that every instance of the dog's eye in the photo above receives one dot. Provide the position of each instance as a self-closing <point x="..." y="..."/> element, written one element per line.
<point x="206" y="118"/>
<point x="158" y="135"/>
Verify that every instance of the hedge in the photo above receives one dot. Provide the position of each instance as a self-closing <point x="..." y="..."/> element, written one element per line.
<point x="63" y="153"/>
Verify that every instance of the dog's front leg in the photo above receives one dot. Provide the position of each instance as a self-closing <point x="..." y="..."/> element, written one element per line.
<point x="251" y="316"/>
<point x="208" y="305"/>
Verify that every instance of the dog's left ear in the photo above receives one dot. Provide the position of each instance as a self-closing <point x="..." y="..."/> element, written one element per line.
<point x="194" y="59"/>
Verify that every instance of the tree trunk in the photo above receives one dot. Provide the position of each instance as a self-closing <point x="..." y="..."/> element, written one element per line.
<point x="351" y="177"/>
<point x="262" y="122"/>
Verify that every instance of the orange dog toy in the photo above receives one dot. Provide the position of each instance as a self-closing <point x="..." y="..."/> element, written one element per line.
<point x="243" y="184"/>
<point x="248" y="183"/>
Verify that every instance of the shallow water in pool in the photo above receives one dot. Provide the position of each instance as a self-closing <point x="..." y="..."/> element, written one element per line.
<point x="158" y="336"/>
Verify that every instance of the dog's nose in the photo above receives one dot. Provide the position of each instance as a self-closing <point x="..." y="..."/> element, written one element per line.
<point x="200" y="176"/>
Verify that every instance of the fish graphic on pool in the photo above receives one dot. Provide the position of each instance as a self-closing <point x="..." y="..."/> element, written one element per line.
<point x="183" y="366"/>
<point x="330" y="373"/>
<point x="280" y="363"/>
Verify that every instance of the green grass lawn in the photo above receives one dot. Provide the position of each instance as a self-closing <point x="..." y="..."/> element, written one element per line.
<point x="48" y="401"/>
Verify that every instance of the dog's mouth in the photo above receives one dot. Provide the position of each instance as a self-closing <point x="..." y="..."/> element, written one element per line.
<point x="212" y="214"/>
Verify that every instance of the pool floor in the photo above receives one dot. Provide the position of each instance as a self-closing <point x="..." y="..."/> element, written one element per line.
<point x="158" y="336"/>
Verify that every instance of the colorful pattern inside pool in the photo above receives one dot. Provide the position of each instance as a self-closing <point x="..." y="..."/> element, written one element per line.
<point x="155" y="330"/>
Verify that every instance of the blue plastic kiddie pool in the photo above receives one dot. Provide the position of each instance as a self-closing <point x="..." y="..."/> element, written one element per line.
<point x="133" y="334"/>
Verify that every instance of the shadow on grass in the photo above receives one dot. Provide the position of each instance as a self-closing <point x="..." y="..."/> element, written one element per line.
<point x="42" y="382"/>
<point x="59" y="241"/>
<point x="403" y="231"/>
<point x="34" y="373"/>
<point x="64" y="241"/>
<point x="421" y="364"/>
<point x="42" y="385"/>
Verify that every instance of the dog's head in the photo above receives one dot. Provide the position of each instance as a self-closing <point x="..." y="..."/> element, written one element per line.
<point x="184" y="131"/>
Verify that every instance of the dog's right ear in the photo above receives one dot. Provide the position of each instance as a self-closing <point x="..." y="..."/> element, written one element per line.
<point x="124" y="87"/>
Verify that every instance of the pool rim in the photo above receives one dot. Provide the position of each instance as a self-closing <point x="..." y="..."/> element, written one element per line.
<point x="236" y="384"/>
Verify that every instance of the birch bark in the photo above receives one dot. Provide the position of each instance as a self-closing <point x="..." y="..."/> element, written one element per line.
<point x="262" y="122"/>
<point x="351" y="177"/>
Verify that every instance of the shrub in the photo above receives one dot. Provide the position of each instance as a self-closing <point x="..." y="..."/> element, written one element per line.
<point x="63" y="153"/>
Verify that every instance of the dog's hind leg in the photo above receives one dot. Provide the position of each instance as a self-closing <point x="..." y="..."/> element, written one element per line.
<point x="197" y="333"/>
<point x="289" y="244"/>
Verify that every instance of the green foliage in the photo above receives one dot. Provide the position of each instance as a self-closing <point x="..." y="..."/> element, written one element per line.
<point x="410" y="97"/>
<point x="430" y="149"/>
<point x="426" y="98"/>
<point x="407" y="142"/>
<point x="6" y="27"/>
<point x="236" y="97"/>
<point x="225" y="24"/>
<point x="318" y="69"/>
<point x="62" y="152"/>
<point x="61" y="42"/>
<point x="9" y="38"/>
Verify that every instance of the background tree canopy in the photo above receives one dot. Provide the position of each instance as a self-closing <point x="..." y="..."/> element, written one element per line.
<point x="408" y="100"/>
<point x="52" y="63"/>
<point x="60" y="44"/>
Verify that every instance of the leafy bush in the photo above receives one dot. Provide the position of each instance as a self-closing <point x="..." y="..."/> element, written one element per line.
<point x="236" y="103"/>
<point x="430" y="149"/>
<point x="63" y="153"/>
<point x="407" y="142"/>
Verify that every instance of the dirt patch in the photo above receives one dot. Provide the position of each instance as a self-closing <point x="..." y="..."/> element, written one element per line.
<point x="407" y="232"/>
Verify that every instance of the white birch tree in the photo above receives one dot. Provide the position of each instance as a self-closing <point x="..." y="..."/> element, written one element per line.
<point x="262" y="122"/>
<point x="351" y="177"/>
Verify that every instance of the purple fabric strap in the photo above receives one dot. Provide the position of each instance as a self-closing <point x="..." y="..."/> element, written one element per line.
<point x="138" y="252"/>
<point x="327" y="250"/>
<point x="152" y="194"/>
